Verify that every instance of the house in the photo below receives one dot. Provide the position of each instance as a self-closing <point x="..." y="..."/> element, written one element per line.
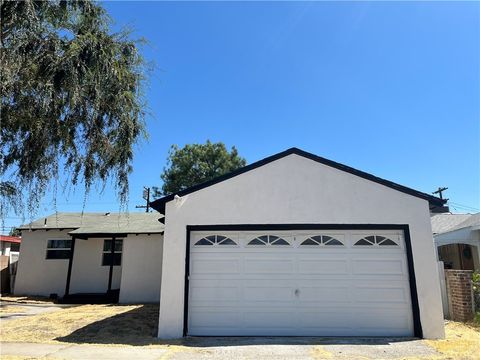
<point x="9" y="248"/>
<point x="457" y="239"/>
<point x="291" y="245"/>
<point x="70" y="254"/>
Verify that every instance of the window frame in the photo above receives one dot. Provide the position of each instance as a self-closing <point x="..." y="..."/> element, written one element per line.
<point x="224" y="241"/>
<point x="322" y="242"/>
<point x="269" y="242"/>
<point x="50" y="249"/>
<point x="375" y="242"/>
<point x="108" y="252"/>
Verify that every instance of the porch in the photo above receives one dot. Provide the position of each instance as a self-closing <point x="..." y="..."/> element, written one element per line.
<point x="94" y="268"/>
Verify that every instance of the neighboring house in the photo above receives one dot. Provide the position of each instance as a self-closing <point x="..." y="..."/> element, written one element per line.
<point x="9" y="250"/>
<point x="457" y="239"/>
<point x="9" y="245"/>
<point x="294" y="244"/>
<point x="70" y="254"/>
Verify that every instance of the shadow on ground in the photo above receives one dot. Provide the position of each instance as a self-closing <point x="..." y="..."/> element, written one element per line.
<point x="134" y="327"/>
<point x="138" y="327"/>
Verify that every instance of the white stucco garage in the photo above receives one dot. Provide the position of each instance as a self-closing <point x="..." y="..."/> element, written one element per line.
<point x="224" y="275"/>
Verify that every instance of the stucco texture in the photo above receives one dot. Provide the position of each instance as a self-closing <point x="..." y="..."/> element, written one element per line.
<point x="296" y="190"/>
<point x="138" y="278"/>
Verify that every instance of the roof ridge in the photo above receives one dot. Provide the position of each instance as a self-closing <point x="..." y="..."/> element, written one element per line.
<point x="159" y="204"/>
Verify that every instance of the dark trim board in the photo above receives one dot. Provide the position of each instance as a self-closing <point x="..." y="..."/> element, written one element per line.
<point x="435" y="203"/>
<point x="417" y="325"/>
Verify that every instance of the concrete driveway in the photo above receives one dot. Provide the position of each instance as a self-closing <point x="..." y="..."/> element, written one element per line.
<point x="234" y="348"/>
<point x="303" y="348"/>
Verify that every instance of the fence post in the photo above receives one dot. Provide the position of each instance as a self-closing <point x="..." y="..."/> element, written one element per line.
<point x="443" y="289"/>
<point x="460" y="294"/>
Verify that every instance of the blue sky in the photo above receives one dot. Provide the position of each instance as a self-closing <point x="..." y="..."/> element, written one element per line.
<point x="389" y="88"/>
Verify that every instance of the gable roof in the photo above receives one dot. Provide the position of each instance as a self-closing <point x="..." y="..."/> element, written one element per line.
<point x="442" y="223"/>
<point x="472" y="222"/>
<point x="100" y="223"/>
<point x="435" y="202"/>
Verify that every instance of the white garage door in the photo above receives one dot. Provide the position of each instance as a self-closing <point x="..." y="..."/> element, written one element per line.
<point x="299" y="283"/>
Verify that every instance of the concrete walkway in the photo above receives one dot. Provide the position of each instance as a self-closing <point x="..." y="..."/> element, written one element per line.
<point x="20" y="310"/>
<point x="232" y="348"/>
<point x="81" y="352"/>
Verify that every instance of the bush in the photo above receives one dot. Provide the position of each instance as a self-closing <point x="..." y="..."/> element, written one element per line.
<point x="476" y="292"/>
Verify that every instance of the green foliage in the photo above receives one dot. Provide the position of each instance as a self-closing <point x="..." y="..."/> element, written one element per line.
<point x="197" y="163"/>
<point x="15" y="232"/>
<point x="71" y="99"/>
<point x="476" y="292"/>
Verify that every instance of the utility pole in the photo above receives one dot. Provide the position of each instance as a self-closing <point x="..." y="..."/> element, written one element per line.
<point x="439" y="192"/>
<point x="146" y="197"/>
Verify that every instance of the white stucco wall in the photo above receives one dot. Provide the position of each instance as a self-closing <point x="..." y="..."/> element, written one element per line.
<point x="297" y="190"/>
<point x="35" y="274"/>
<point x="38" y="276"/>
<point x="142" y="268"/>
<point x="5" y="248"/>
<point x="88" y="274"/>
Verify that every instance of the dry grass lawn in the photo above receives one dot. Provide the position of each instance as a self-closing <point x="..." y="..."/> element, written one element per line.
<point x="11" y="309"/>
<point x="462" y="342"/>
<point x="101" y="324"/>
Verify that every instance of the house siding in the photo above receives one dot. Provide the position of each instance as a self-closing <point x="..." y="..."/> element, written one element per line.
<point x="142" y="269"/>
<point x="138" y="278"/>
<point x="35" y="274"/>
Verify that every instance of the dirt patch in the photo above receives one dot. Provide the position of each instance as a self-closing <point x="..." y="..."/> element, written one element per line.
<point x="462" y="341"/>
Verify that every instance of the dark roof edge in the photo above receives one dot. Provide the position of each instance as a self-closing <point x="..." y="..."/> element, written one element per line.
<point x="435" y="202"/>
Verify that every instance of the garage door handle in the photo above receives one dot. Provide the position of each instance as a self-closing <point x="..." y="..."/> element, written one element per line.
<point x="297" y="292"/>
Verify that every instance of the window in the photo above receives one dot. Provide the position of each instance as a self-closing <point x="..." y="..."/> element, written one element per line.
<point x="268" y="240"/>
<point x="58" y="249"/>
<point x="14" y="247"/>
<point x="117" y="253"/>
<point x="376" y="240"/>
<point x="322" y="240"/>
<point x="215" y="240"/>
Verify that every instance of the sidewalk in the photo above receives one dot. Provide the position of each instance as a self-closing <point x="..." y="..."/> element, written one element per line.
<point x="82" y="352"/>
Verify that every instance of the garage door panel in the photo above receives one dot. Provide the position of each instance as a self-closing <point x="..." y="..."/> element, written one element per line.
<point x="214" y="293"/>
<point x="386" y="323"/>
<point x="267" y="318"/>
<point x="275" y="294"/>
<point x="323" y="266"/>
<point x="281" y="265"/>
<point x="214" y="318"/>
<point x="215" y="266"/>
<point x="342" y="290"/>
<point x="324" y="318"/>
<point x="323" y="292"/>
<point x="375" y="266"/>
<point x="381" y="294"/>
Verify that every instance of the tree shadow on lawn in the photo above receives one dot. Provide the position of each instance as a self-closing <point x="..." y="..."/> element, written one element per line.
<point x="138" y="327"/>
<point x="134" y="327"/>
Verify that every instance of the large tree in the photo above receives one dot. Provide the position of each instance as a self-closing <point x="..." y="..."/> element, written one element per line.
<point x="71" y="99"/>
<point x="197" y="163"/>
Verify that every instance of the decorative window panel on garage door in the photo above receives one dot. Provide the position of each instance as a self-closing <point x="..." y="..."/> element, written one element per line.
<point x="321" y="283"/>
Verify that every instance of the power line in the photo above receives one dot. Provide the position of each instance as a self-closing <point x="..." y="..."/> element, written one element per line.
<point x="461" y="206"/>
